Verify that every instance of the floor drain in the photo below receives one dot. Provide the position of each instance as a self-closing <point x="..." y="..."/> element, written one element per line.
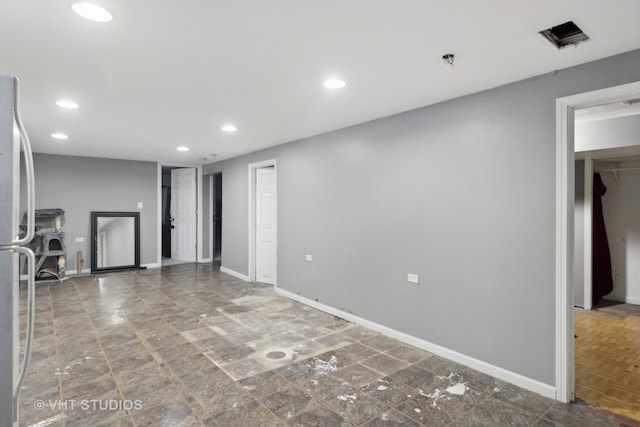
<point x="276" y="354"/>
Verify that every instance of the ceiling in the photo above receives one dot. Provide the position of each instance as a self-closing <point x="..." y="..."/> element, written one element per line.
<point x="168" y="73"/>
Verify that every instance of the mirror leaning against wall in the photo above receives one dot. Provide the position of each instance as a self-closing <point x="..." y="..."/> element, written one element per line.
<point x="115" y="241"/>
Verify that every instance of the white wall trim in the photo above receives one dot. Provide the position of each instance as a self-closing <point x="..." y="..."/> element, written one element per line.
<point x="205" y="260"/>
<point x="587" y="300"/>
<point x="199" y="211"/>
<point x="252" y="217"/>
<point x="152" y="265"/>
<point x="565" y="194"/>
<point x="565" y="199"/>
<point x="210" y="218"/>
<point x="235" y="274"/>
<point x="74" y="272"/>
<point x="67" y="275"/>
<point x="484" y="367"/>
<point x="159" y="219"/>
<point x="632" y="300"/>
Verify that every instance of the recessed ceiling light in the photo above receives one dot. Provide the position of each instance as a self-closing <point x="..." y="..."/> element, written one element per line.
<point x="92" y="12"/>
<point x="65" y="103"/>
<point x="182" y="148"/>
<point x="59" y="135"/>
<point x="334" y="84"/>
<point x="229" y="128"/>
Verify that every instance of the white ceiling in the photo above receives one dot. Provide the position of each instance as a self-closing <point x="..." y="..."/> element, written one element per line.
<point x="165" y="73"/>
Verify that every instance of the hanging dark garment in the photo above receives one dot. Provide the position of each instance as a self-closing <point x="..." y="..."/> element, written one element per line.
<point x="602" y="276"/>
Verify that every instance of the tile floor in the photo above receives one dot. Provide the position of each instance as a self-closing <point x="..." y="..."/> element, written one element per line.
<point x="188" y="346"/>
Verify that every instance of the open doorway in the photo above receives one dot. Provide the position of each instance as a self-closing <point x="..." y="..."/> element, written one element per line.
<point x="179" y="215"/>
<point x="605" y="353"/>
<point x="216" y="210"/>
<point x="565" y="195"/>
<point x="617" y="208"/>
<point x="607" y="343"/>
<point x="621" y="209"/>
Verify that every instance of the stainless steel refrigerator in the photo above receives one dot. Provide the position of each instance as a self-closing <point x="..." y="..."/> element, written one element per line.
<point x="13" y="140"/>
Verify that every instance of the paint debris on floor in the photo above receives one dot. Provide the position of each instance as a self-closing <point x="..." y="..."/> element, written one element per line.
<point x="187" y="345"/>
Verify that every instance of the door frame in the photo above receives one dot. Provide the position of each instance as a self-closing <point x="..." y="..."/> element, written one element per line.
<point x="199" y="236"/>
<point x="252" y="216"/>
<point x="212" y="211"/>
<point x="210" y="216"/>
<point x="587" y="300"/>
<point x="565" y="202"/>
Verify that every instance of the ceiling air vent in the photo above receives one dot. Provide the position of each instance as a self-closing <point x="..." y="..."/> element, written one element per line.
<point x="564" y="35"/>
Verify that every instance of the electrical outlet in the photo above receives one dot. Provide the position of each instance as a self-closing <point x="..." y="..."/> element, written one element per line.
<point x="79" y="239"/>
<point x="413" y="278"/>
<point x="139" y="205"/>
<point x="309" y="257"/>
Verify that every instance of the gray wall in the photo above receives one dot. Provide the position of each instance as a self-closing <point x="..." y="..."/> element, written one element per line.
<point x="80" y="185"/>
<point x="578" y="237"/>
<point x="461" y="193"/>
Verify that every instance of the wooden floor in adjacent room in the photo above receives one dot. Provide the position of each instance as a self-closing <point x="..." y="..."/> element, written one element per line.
<point x="607" y="357"/>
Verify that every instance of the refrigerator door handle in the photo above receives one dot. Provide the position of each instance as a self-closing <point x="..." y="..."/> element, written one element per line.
<point x="28" y="160"/>
<point x="31" y="304"/>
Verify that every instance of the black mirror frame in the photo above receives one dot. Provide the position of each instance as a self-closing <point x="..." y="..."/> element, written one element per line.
<point x="94" y="240"/>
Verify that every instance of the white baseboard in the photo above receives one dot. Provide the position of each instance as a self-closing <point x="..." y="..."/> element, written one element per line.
<point x="234" y="274"/>
<point x="627" y="299"/>
<point x="632" y="300"/>
<point x="152" y="265"/>
<point x="204" y="260"/>
<point x="74" y="272"/>
<point x="67" y="273"/>
<point x="484" y="367"/>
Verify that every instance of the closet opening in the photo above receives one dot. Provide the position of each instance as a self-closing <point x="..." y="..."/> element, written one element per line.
<point x="606" y="270"/>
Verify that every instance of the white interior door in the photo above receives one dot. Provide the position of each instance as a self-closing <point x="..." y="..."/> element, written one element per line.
<point x="183" y="212"/>
<point x="265" y="225"/>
